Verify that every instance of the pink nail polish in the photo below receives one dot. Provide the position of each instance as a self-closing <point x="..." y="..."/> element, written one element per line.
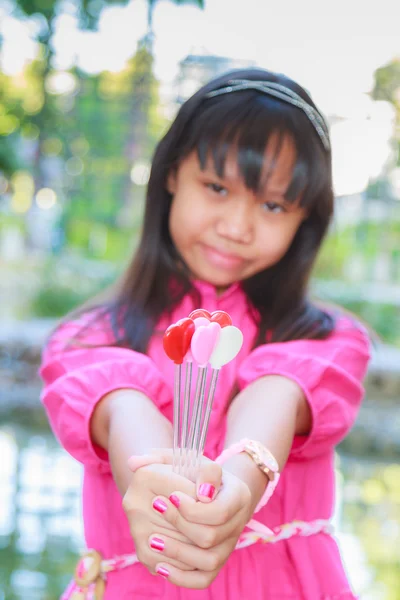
<point x="162" y="571"/>
<point x="159" y="505"/>
<point x="206" y="489"/>
<point x="157" y="544"/>
<point x="174" y="500"/>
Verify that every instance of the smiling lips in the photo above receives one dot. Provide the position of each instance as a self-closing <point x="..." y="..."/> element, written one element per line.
<point x="222" y="259"/>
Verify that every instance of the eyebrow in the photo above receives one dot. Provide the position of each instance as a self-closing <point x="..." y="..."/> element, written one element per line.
<point x="210" y="170"/>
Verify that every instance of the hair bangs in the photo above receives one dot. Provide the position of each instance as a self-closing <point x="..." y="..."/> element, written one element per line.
<point x="242" y="125"/>
<point x="311" y="174"/>
<point x="234" y="126"/>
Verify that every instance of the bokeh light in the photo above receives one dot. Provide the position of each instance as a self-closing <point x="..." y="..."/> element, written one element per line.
<point x="30" y="131"/>
<point x="3" y="184"/>
<point x="52" y="146"/>
<point x="33" y="103"/>
<point x="8" y="124"/>
<point x="22" y="181"/>
<point x="80" y="146"/>
<point x="46" y="198"/>
<point x="20" y="202"/>
<point x="74" y="166"/>
<point x="61" y="82"/>
<point x="140" y="173"/>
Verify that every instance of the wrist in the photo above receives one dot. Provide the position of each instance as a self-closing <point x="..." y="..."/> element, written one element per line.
<point x="244" y="468"/>
<point x="130" y="415"/>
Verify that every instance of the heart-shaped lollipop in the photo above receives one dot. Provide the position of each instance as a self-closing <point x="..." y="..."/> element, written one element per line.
<point x="221" y="317"/>
<point x="204" y="341"/>
<point x="200" y="312"/>
<point x="218" y="316"/>
<point x="177" y="338"/>
<point x="228" y="346"/>
<point x="198" y="321"/>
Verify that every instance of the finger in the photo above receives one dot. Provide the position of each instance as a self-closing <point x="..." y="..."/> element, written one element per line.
<point x="167" y="452"/>
<point x="224" y="508"/>
<point x="208" y="481"/>
<point x="197" y="580"/>
<point x="156" y="456"/>
<point x="149" y="558"/>
<point x="202" y="535"/>
<point x="170" y="482"/>
<point x="191" y="556"/>
<point x="171" y="517"/>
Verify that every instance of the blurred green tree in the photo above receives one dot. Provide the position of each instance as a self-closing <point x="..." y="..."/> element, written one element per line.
<point x="387" y="83"/>
<point x="47" y="118"/>
<point x="108" y="129"/>
<point x="387" y="87"/>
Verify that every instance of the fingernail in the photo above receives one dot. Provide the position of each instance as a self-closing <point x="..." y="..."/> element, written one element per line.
<point x="162" y="571"/>
<point x="206" y="489"/>
<point x="159" y="505"/>
<point x="174" y="500"/>
<point x="157" y="544"/>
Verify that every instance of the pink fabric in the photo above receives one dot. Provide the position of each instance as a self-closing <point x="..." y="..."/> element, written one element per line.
<point x="330" y="373"/>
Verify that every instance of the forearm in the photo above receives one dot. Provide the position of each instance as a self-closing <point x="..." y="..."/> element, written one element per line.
<point x="126" y="422"/>
<point x="271" y="410"/>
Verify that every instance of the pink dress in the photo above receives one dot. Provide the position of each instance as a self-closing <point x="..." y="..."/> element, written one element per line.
<point x="329" y="371"/>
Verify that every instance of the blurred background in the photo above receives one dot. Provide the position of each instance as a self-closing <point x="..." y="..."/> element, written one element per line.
<point x="86" y="89"/>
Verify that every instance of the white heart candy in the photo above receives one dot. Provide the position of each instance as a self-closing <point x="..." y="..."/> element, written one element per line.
<point x="228" y="346"/>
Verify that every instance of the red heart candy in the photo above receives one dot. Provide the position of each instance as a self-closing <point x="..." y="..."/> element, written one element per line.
<point x="221" y="317"/>
<point x="177" y="338"/>
<point x="200" y="312"/>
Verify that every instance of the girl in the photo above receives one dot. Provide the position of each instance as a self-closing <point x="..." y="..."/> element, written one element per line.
<point x="239" y="201"/>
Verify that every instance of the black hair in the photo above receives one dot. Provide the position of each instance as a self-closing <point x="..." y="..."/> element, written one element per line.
<point x="155" y="282"/>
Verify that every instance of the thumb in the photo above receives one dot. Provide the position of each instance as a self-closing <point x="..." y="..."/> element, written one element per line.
<point x="209" y="481"/>
<point x="156" y="455"/>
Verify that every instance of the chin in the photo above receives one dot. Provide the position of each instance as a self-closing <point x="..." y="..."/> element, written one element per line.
<point x="220" y="283"/>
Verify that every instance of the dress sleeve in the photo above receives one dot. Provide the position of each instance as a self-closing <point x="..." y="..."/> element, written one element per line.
<point x="330" y="373"/>
<point x="77" y="377"/>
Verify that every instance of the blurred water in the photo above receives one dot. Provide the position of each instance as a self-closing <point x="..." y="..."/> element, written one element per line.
<point x="40" y="525"/>
<point x="41" y="530"/>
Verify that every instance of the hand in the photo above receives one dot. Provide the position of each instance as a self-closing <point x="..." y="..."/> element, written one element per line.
<point x="212" y="529"/>
<point x="153" y="476"/>
<point x="145" y="522"/>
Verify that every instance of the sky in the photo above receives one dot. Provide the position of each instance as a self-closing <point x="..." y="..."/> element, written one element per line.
<point x="331" y="48"/>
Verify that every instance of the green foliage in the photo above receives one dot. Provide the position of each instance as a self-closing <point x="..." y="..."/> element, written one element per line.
<point x="384" y="319"/>
<point x="54" y="301"/>
<point x="363" y="241"/>
<point x="13" y="117"/>
<point x="199" y="3"/>
<point x="371" y="511"/>
<point x="103" y="195"/>
<point x="8" y="157"/>
<point x="67" y="283"/>
<point x="88" y="11"/>
<point x="387" y="83"/>
<point x="387" y="87"/>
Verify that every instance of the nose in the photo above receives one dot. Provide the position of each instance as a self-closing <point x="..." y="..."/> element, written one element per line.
<point x="235" y="222"/>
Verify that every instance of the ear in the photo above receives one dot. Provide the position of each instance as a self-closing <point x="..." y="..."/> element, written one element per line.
<point x="171" y="182"/>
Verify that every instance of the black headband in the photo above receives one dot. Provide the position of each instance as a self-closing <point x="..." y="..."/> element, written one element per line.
<point x="283" y="93"/>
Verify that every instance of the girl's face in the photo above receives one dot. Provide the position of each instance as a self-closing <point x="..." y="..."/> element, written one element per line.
<point x="225" y="232"/>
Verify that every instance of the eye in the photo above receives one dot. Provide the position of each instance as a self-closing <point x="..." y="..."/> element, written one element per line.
<point x="217" y="189"/>
<point x="273" y="207"/>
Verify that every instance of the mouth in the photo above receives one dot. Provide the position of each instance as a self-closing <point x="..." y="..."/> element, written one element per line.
<point x="222" y="259"/>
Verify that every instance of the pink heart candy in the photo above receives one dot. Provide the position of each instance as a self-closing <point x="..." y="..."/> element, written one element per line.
<point x="200" y="321"/>
<point x="204" y="341"/>
<point x="188" y="356"/>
